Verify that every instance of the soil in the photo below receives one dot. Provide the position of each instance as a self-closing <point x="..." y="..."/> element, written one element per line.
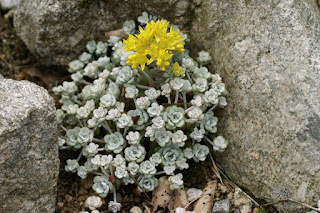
<point x="14" y="55"/>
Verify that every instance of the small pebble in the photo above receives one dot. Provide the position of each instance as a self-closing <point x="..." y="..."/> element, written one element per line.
<point x="237" y="211"/>
<point x="81" y="198"/>
<point x="255" y="210"/>
<point x="223" y="189"/>
<point x="68" y="198"/>
<point x="135" y="209"/>
<point x="230" y="196"/>
<point x="60" y="204"/>
<point x="222" y="206"/>
<point x="82" y="191"/>
<point x="247" y="208"/>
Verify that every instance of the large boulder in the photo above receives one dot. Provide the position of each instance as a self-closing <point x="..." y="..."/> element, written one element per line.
<point x="29" y="162"/>
<point x="56" y="31"/>
<point x="268" y="53"/>
<point x="8" y="4"/>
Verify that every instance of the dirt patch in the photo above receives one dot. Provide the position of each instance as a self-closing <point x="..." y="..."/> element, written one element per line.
<point x="14" y="56"/>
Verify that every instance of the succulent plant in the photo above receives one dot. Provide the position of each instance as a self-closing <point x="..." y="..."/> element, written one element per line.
<point x="102" y="186"/>
<point x="138" y="108"/>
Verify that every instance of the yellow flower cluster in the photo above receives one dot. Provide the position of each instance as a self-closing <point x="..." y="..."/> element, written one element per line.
<point x="177" y="70"/>
<point x="155" y="43"/>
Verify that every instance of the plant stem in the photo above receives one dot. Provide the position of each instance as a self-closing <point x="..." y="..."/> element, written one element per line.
<point x="104" y="172"/>
<point x="212" y="108"/>
<point x="169" y="99"/>
<point x="80" y="155"/>
<point x="107" y="127"/>
<point x="98" y="140"/>
<point x="208" y="140"/>
<point x="75" y="99"/>
<point x="160" y="173"/>
<point x="151" y="81"/>
<point x="64" y="147"/>
<point x="79" y="122"/>
<point x="114" y="187"/>
<point x="97" y="173"/>
<point x="142" y="86"/>
<point x="184" y="100"/>
<point x="177" y="97"/>
<point x="62" y="127"/>
<point x="188" y="76"/>
<point x="85" y="82"/>
<point x="125" y="131"/>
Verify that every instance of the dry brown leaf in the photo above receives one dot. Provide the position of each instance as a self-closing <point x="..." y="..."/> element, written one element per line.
<point x="120" y="33"/>
<point x="205" y="202"/>
<point x="179" y="199"/>
<point x="161" y="196"/>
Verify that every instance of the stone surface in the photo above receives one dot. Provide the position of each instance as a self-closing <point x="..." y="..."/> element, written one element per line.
<point x="222" y="206"/>
<point x="29" y="162"/>
<point x="56" y="31"/>
<point x="8" y="4"/>
<point x="268" y="54"/>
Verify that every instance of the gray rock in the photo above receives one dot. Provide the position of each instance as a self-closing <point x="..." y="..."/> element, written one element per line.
<point x="56" y="31"/>
<point x="29" y="162"/>
<point x="268" y="54"/>
<point x="8" y="4"/>
<point x="222" y="206"/>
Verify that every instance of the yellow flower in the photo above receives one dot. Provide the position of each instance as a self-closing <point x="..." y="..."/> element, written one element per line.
<point x="178" y="71"/>
<point x="155" y="43"/>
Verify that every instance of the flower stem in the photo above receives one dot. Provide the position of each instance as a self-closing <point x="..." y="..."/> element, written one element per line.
<point x="104" y="172"/>
<point x="107" y="127"/>
<point x="142" y="86"/>
<point x="114" y="187"/>
<point x="64" y="147"/>
<point x="62" y="127"/>
<point x="188" y="76"/>
<point x="184" y="100"/>
<point x="151" y="81"/>
<point x="177" y="97"/>
<point x="79" y="122"/>
<point x="169" y="99"/>
<point x="160" y="173"/>
<point x="75" y="99"/>
<point x="97" y="173"/>
<point x="98" y="140"/>
<point x="125" y="131"/>
<point x="208" y="140"/>
<point x="212" y="108"/>
<point x="85" y="82"/>
<point x="80" y="155"/>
